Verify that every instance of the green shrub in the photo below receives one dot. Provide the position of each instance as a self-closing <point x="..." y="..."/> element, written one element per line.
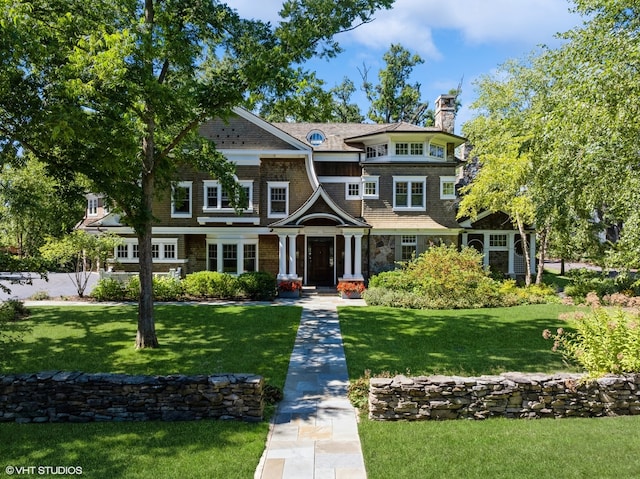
<point x="513" y="295"/>
<point x="396" y="280"/>
<point x="167" y="289"/>
<point x="12" y="329"/>
<point x="605" y="341"/>
<point x="108" y="289"/>
<point x="585" y="281"/>
<point x="258" y="285"/>
<point x="211" y="284"/>
<point x="13" y="310"/>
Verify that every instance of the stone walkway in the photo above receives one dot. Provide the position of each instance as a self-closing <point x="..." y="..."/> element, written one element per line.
<point x="314" y="433"/>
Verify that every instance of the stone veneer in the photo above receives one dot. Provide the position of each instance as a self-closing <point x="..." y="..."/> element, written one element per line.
<point x="78" y="397"/>
<point x="511" y="395"/>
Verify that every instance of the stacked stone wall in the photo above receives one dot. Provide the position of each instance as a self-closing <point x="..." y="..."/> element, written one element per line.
<point x="510" y="395"/>
<point x="78" y="397"/>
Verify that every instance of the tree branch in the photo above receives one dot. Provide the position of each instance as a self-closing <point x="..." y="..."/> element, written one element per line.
<point x="163" y="72"/>
<point x="181" y="136"/>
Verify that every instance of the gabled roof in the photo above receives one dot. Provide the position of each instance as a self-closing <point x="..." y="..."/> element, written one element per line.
<point x="307" y="211"/>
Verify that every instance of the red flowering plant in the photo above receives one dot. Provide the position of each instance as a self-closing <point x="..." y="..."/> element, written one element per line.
<point x="350" y="288"/>
<point x="290" y="285"/>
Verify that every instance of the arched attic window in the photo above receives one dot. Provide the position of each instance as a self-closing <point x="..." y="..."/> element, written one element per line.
<point x="315" y="137"/>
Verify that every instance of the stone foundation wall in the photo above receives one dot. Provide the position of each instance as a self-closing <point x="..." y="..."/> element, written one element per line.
<point x="79" y="397"/>
<point x="511" y="395"/>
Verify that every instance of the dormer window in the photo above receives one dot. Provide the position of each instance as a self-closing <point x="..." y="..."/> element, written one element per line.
<point x="377" y="150"/>
<point x="436" y="151"/>
<point x="315" y="137"/>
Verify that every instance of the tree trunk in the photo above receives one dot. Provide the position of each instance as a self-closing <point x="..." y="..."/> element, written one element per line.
<point x="146" y="336"/>
<point x="542" y="253"/>
<point x="525" y="251"/>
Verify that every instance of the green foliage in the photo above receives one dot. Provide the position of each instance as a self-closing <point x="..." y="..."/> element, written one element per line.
<point x="167" y="288"/>
<point x="605" y="341"/>
<point x="211" y="284"/>
<point x="394" y="99"/>
<point x="109" y="289"/>
<point x="258" y="285"/>
<point x="585" y="281"/>
<point x="12" y="326"/>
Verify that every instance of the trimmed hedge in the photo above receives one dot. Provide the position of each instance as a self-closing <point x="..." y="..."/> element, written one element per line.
<point x="258" y="286"/>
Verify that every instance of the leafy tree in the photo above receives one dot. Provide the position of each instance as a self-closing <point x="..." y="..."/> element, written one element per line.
<point x="344" y="110"/>
<point x="121" y="87"/>
<point x="82" y="252"/>
<point x="34" y="206"/>
<point x="394" y="99"/>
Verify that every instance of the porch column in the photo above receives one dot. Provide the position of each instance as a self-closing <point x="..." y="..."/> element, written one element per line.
<point x="282" y="256"/>
<point x="292" y="256"/>
<point x="465" y="239"/>
<point x="347" y="256"/>
<point x="357" y="260"/>
<point x="511" y="246"/>
<point x="485" y="250"/>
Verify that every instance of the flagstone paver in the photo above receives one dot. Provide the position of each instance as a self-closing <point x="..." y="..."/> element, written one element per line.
<point x="314" y="432"/>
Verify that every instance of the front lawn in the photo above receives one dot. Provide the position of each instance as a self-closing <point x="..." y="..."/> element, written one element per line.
<point x="457" y="342"/>
<point x="475" y="342"/>
<point x="193" y="340"/>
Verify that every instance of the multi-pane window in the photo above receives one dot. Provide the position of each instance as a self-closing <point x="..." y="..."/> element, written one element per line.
<point x="181" y="200"/>
<point x="370" y="188"/>
<point x="436" y="151"/>
<point x="448" y="187"/>
<point x="92" y="207"/>
<point x="278" y="199"/>
<point x="161" y="250"/>
<point x="234" y="257"/>
<point x="409" y="193"/>
<point x="250" y="259"/>
<point x="122" y="251"/>
<point x="229" y="258"/>
<point x="377" y="150"/>
<point x="498" y="241"/>
<point x="408" y="245"/>
<point x="413" y="149"/>
<point x="217" y="198"/>
<point x="353" y="191"/>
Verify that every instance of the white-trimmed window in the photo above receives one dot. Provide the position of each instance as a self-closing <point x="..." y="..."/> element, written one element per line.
<point x="315" y="137"/>
<point x="217" y="199"/>
<point x="232" y="256"/>
<point x="498" y="241"/>
<point x="436" y="151"/>
<point x="181" y="199"/>
<point x="352" y="190"/>
<point x="278" y="196"/>
<point x="92" y="206"/>
<point x="447" y="187"/>
<point x="370" y="187"/>
<point x="408" y="247"/>
<point x="409" y="192"/>
<point x="374" y="151"/>
<point x="413" y="149"/>
<point x="162" y="250"/>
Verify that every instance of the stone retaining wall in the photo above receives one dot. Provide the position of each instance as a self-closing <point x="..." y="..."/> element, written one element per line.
<point x="78" y="397"/>
<point x="511" y="395"/>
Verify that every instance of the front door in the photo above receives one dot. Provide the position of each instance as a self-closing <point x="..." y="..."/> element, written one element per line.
<point x="320" y="261"/>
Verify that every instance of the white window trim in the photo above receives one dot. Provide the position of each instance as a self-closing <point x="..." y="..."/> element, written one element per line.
<point x="240" y="244"/>
<point x="358" y="196"/>
<point x="410" y="180"/>
<point x="489" y="247"/>
<point x="182" y="184"/>
<point x="215" y="183"/>
<point x="371" y="179"/>
<point x="409" y="144"/>
<point x="277" y="184"/>
<point x="443" y="181"/>
<point x="92" y="210"/>
<point x="161" y="242"/>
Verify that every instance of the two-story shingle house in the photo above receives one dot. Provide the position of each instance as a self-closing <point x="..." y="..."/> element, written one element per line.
<point x="325" y="201"/>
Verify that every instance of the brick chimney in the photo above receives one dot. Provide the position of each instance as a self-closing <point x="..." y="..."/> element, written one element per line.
<point x="446" y="113"/>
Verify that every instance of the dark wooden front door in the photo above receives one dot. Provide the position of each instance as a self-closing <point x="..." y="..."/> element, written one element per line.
<point x="320" y="261"/>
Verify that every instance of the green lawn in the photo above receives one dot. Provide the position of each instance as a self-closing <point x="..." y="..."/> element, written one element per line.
<point x="460" y="342"/>
<point x="194" y="340"/>
<point x="473" y="342"/>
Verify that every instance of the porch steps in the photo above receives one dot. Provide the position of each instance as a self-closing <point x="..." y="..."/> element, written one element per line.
<point x="319" y="291"/>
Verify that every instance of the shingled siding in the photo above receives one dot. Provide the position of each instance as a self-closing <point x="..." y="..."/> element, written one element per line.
<point x="238" y="133"/>
<point x="78" y="397"/>
<point x="510" y="395"/>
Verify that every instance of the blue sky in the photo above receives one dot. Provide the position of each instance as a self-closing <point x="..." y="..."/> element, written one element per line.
<point x="456" y="38"/>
